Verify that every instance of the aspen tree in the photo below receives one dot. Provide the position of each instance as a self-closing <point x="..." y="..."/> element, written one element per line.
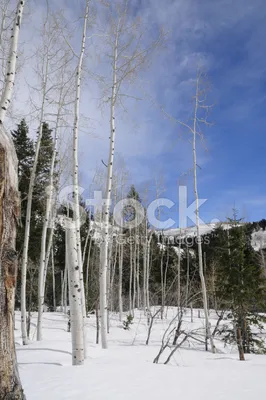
<point x="128" y="54"/>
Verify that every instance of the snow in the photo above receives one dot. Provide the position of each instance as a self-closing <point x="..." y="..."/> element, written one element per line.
<point x="258" y="238"/>
<point x="125" y="371"/>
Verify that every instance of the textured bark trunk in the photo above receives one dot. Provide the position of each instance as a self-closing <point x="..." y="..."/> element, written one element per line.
<point x="75" y="299"/>
<point x="12" y="62"/>
<point x="10" y="386"/>
<point x="240" y="344"/>
<point x="75" y="161"/>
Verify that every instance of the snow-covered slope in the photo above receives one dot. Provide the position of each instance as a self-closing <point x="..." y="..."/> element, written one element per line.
<point x="258" y="238"/>
<point x="126" y="371"/>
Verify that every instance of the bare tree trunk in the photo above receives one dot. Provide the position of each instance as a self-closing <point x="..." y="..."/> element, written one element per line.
<point x="201" y="273"/>
<point x="179" y="273"/>
<point x="85" y="246"/>
<point x="97" y="323"/>
<point x="75" y="299"/>
<point x="48" y="254"/>
<point x="120" y="288"/>
<point x="44" y="254"/>
<point x="104" y="247"/>
<point x="165" y="275"/>
<point x="145" y="271"/>
<point x="111" y="292"/>
<point x="10" y="386"/>
<point x="53" y="276"/>
<point x="162" y="282"/>
<point x="134" y="275"/>
<point x="87" y="272"/>
<point x="47" y="220"/>
<point x="187" y="281"/>
<point x="66" y="284"/>
<point x="62" y="290"/>
<point x="138" y="278"/>
<point x="11" y="64"/>
<point x="109" y="273"/>
<point x="130" y="273"/>
<point x="148" y="274"/>
<point x="191" y="312"/>
<point x="75" y="162"/>
<point x="240" y="344"/>
<point x="28" y="219"/>
<point x="5" y="102"/>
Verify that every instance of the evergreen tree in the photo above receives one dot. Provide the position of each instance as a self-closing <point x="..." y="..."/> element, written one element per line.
<point x="240" y="285"/>
<point x="25" y="151"/>
<point x="129" y="210"/>
<point x="39" y="194"/>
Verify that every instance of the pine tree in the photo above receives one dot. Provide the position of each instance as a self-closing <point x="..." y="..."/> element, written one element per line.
<point x="25" y="151"/>
<point x="240" y="285"/>
<point x="130" y="211"/>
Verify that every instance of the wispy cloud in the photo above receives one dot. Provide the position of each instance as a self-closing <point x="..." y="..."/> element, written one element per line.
<point x="227" y="39"/>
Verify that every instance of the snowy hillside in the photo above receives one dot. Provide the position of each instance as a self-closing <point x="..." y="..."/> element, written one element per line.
<point x="126" y="371"/>
<point x="258" y="238"/>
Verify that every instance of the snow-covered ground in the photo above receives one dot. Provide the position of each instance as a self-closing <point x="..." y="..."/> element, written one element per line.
<point x="125" y="371"/>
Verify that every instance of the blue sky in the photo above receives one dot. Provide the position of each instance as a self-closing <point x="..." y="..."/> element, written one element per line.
<point x="227" y="39"/>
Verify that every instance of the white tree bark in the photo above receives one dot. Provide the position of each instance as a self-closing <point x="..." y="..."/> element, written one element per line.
<point x="75" y="297"/>
<point x="130" y="273"/>
<point x="53" y="277"/>
<point x="120" y="284"/>
<point x="148" y="273"/>
<point x="75" y="158"/>
<point x="62" y="291"/>
<point x="11" y="64"/>
<point x="179" y="273"/>
<point x="200" y="259"/>
<point x="162" y="281"/>
<point x="48" y="65"/>
<point x="48" y="254"/>
<point x="27" y="228"/>
<point x="104" y="245"/>
<point x="47" y="219"/>
<point x="187" y="280"/>
<point x="66" y="281"/>
<point x="87" y="270"/>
